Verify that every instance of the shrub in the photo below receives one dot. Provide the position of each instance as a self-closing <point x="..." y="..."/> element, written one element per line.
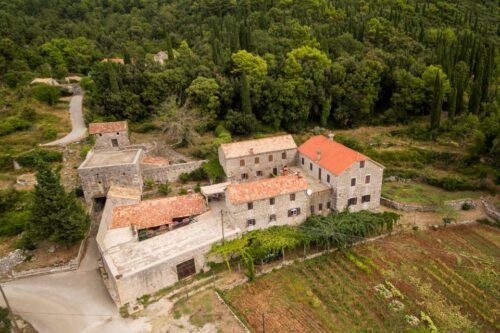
<point x="183" y="191"/>
<point x="5" y="162"/>
<point x="85" y="149"/>
<point x="13" y="124"/>
<point x="197" y="188"/>
<point x="466" y="206"/>
<point x="195" y="175"/>
<point x="451" y="183"/>
<point x="46" y="94"/>
<point x="49" y="134"/>
<point x="31" y="158"/>
<point x="26" y="242"/>
<point x="241" y="122"/>
<point x="13" y="223"/>
<point x="164" y="189"/>
<point x="27" y="113"/>
<point x="148" y="183"/>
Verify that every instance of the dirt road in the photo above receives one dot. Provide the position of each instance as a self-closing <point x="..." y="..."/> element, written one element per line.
<point x="69" y="302"/>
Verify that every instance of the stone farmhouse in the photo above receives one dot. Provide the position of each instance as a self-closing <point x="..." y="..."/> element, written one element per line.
<point x="146" y="245"/>
<point x="252" y="159"/>
<point x="112" y="135"/>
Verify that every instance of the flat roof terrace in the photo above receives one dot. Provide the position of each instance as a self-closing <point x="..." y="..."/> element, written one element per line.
<point x="111" y="158"/>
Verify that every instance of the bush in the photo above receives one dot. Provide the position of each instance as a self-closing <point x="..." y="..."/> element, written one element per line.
<point x="46" y="94"/>
<point x="241" y="122"/>
<point x="31" y="158"/>
<point x="5" y="162"/>
<point x="85" y="149"/>
<point x="13" y="124"/>
<point x="26" y="242"/>
<point x="451" y="183"/>
<point x="49" y="134"/>
<point x="183" y="191"/>
<point x="195" y="175"/>
<point x="164" y="189"/>
<point x="14" y="223"/>
<point x="466" y="206"/>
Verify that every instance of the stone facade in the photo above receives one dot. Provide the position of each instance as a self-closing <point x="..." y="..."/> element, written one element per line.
<point x="98" y="175"/>
<point x="168" y="173"/>
<point x="113" y="140"/>
<point x="256" y="166"/>
<point x="342" y="190"/>
<point x="263" y="210"/>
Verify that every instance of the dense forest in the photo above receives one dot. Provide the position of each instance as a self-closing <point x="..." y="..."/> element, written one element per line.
<point x="267" y="65"/>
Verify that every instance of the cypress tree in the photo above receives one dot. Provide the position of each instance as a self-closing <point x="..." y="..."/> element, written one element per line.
<point x="170" y="51"/>
<point x="453" y="104"/>
<point x="246" y="105"/>
<point x="55" y="215"/>
<point x="437" y="103"/>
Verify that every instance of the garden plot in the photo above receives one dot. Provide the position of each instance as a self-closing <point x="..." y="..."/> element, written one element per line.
<point x="447" y="279"/>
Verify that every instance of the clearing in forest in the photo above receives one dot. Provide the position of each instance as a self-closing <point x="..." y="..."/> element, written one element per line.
<point x="447" y="279"/>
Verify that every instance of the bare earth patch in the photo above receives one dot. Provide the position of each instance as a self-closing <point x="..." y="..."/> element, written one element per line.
<point x="41" y="257"/>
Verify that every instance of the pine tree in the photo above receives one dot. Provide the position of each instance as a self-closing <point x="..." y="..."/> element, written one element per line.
<point x="246" y="105"/>
<point x="55" y="215"/>
<point x="437" y="103"/>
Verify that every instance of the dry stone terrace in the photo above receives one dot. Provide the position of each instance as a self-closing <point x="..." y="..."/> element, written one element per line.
<point x="270" y="182"/>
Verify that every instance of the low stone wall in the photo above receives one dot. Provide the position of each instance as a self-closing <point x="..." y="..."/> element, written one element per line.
<point x="11" y="260"/>
<point x="491" y="211"/>
<point x="410" y="207"/>
<point x="169" y="173"/>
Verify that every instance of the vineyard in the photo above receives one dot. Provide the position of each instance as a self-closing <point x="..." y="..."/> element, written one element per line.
<point x="445" y="280"/>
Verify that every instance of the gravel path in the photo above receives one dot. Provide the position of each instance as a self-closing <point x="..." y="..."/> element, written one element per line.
<point x="79" y="130"/>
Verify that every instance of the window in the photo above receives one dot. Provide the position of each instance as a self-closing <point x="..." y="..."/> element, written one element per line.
<point x="352" y="201"/>
<point x="292" y="197"/>
<point x="114" y="142"/>
<point x="294" y="212"/>
<point x="367" y="179"/>
<point x="244" y="176"/>
<point x="257" y="160"/>
<point x="328" y="178"/>
<point x="283" y="155"/>
<point x="275" y="171"/>
<point x="361" y="164"/>
<point x="271" y="201"/>
<point x="353" y="181"/>
<point x="117" y="133"/>
<point x="100" y="134"/>
<point x="270" y="157"/>
<point x="328" y="205"/>
<point x="310" y="166"/>
<point x="365" y="198"/>
<point x="259" y="173"/>
<point x="272" y="217"/>
<point x="250" y="205"/>
<point x="250" y="222"/>
<point x="320" y="207"/>
<point x="319" y="173"/>
<point x="242" y="162"/>
<point x="185" y="269"/>
<point x="302" y="161"/>
<point x="312" y="209"/>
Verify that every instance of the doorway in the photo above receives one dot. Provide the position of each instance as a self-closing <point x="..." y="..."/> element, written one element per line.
<point x="186" y="269"/>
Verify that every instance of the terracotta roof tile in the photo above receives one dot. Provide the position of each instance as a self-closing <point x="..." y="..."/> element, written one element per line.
<point x="239" y="193"/>
<point x="115" y="126"/>
<point x="258" y="146"/>
<point x="155" y="160"/>
<point x="153" y="213"/>
<point x="334" y="157"/>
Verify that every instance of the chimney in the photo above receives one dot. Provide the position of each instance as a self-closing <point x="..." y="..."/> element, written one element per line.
<point x="318" y="155"/>
<point x="331" y="136"/>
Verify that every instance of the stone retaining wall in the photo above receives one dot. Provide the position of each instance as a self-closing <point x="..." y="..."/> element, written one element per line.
<point x="491" y="211"/>
<point x="410" y="207"/>
<point x="169" y="173"/>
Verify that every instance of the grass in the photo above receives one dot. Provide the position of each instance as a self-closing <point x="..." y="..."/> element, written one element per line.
<point x="449" y="275"/>
<point x="419" y="193"/>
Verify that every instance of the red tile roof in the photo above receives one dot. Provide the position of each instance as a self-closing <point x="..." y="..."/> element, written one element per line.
<point x="155" y="160"/>
<point x="239" y="193"/>
<point x="115" y="126"/>
<point x="153" y="213"/>
<point x="334" y="157"/>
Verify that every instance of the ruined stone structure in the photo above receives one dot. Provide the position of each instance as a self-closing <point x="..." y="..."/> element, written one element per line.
<point x="113" y="135"/>
<point x="103" y="169"/>
<point x="260" y="158"/>
<point x="356" y="180"/>
<point x="163" y="173"/>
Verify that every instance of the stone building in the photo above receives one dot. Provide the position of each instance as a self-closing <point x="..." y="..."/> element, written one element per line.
<point x="260" y="158"/>
<point x="266" y="202"/>
<point x="133" y="266"/>
<point x="111" y="135"/>
<point x="355" y="179"/>
<point x="103" y="169"/>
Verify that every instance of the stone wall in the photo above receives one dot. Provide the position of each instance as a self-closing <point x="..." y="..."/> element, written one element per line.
<point x="411" y="207"/>
<point x="262" y="210"/>
<point x="104" y="140"/>
<point x="10" y="261"/>
<point x="169" y="173"/>
<point x="491" y="211"/>
<point x="257" y="163"/>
